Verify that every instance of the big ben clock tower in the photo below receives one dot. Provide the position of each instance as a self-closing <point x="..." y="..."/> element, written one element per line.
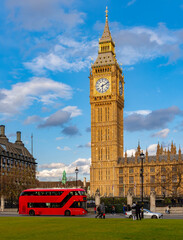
<point x="107" y="103"/>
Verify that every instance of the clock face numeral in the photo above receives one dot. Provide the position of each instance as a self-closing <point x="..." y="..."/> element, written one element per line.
<point x="102" y="85"/>
<point x="120" y="88"/>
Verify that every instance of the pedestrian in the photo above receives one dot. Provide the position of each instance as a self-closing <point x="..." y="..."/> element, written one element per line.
<point x="103" y="210"/>
<point x="95" y="209"/>
<point x="167" y="210"/>
<point x="113" y="209"/>
<point x="138" y="215"/>
<point x="98" y="212"/>
<point x="134" y="211"/>
<point x="124" y="209"/>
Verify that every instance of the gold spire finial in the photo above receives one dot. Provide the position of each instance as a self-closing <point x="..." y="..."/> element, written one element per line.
<point x="106" y="11"/>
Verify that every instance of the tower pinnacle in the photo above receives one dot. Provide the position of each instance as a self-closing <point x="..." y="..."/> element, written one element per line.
<point x="106" y="11"/>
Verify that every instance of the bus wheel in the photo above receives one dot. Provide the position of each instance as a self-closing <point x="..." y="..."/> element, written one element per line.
<point x="31" y="213"/>
<point x="67" y="213"/>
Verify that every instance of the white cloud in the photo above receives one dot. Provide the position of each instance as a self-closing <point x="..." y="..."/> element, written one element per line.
<point x="142" y="43"/>
<point x="67" y="55"/>
<point x="131" y="3"/>
<point x="21" y="95"/>
<point x="141" y="112"/>
<point x="40" y="15"/>
<point x="152" y="149"/>
<point x="131" y="152"/>
<point x="133" y="45"/>
<point x="54" y="171"/>
<point x="64" y="148"/>
<point x="32" y="119"/>
<point x="58" y="118"/>
<point x="59" y="138"/>
<point x="87" y="145"/>
<point x="157" y="119"/>
<point x="162" y="134"/>
<point x="73" y="110"/>
<point x="52" y="165"/>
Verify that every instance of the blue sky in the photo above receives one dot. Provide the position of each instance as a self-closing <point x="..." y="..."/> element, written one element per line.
<point x="46" y="47"/>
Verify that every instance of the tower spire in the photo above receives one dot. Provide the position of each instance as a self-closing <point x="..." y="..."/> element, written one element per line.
<point x="106" y="53"/>
<point x="106" y="36"/>
<point x="106" y="13"/>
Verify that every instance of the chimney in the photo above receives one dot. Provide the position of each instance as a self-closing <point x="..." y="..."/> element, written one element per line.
<point x="18" y="141"/>
<point x="2" y="132"/>
<point x="2" y="128"/>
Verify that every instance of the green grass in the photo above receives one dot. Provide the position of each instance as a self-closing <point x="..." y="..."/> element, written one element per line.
<point x="55" y="228"/>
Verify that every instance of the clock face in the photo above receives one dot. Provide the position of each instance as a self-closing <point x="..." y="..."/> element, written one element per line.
<point x="120" y="88"/>
<point x="102" y="85"/>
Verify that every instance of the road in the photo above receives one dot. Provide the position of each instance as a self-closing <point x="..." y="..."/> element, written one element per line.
<point x="14" y="214"/>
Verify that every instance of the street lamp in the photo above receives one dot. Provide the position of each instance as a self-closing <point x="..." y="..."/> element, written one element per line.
<point x="76" y="171"/>
<point x="142" y="178"/>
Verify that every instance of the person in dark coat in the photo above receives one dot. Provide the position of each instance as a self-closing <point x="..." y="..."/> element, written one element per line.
<point x="138" y="212"/>
<point x="134" y="211"/>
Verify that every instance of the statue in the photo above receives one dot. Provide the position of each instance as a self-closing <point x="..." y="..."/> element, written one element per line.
<point x="64" y="178"/>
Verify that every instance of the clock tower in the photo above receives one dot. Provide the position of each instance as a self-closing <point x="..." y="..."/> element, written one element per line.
<point x="107" y="103"/>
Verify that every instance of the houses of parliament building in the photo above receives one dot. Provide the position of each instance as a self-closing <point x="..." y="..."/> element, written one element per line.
<point x="111" y="171"/>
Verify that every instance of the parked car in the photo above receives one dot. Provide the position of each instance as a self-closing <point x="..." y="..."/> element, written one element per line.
<point x="147" y="214"/>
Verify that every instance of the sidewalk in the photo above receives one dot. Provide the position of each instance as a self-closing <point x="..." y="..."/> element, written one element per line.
<point x="9" y="211"/>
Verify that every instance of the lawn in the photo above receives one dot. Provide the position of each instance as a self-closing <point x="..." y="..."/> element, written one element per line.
<point x="56" y="228"/>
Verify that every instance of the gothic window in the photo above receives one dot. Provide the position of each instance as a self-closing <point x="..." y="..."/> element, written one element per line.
<point x="98" y="134"/>
<point x="174" y="168"/>
<point x="152" y="169"/>
<point x="163" y="169"/>
<point x="121" y="191"/>
<point x="109" y="174"/>
<point x="163" y="178"/>
<point x="152" y="179"/>
<point x="131" y="179"/>
<point x="130" y="170"/>
<point x="98" y="153"/>
<point x="120" y="170"/>
<point x="121" y="180"/>
<point x="107" y="153"/>
<point x="101" y="135"/>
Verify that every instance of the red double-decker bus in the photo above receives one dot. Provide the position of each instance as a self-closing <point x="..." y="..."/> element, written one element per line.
<point x="54" y="201"/>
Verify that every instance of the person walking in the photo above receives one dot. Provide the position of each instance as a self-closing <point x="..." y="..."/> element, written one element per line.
<point x="134" y="211"/>
<point x="98" y="212"/>
<point x="113" y="209"/>
<point x="103" y="210"/>
<point x="138" y="215"/>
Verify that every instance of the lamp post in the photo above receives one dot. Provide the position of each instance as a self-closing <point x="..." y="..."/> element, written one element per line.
<point x="76" y="171"/>
<point x="142" y="179"/>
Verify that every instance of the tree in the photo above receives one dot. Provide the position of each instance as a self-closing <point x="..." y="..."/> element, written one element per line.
<point x="170" y="179"/>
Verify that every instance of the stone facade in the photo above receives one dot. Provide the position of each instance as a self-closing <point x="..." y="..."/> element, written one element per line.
<point x="17" y="166"/>
<point x="163" y="173"/>
<point x="107" y="102"/>
<point x="112" y="173"/>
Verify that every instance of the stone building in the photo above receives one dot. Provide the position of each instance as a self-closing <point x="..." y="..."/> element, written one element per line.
<point x="112" y="173"/>
<point x="163" y="173"/>
<point x="107" y="103"/>
<point x="17" y="166"/>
